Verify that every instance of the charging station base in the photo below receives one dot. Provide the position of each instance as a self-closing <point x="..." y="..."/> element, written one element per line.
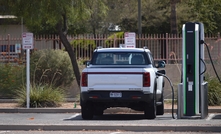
<point x="203" y="103"/>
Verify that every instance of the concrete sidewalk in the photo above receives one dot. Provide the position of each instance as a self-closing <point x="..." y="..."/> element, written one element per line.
<point x="132" y="128"/>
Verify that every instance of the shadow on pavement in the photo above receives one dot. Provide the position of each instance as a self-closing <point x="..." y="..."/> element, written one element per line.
<point x="120" y="117"/>
<point x="218" y="116"/>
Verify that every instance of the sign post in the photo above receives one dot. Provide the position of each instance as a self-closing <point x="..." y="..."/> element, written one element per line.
<point x="27" y="44"/>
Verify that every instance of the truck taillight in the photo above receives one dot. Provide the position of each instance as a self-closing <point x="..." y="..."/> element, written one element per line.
<point x="84" y="79"/>
<point x="146" y="79"/>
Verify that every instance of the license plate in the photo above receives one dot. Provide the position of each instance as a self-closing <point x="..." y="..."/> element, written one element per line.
<point x="115" y="94"/>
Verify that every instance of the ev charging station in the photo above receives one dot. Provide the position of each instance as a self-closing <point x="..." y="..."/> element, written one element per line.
<point x="193" y="90"/>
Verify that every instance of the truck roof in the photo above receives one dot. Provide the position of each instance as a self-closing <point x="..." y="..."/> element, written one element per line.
<point x="122" y="50"/>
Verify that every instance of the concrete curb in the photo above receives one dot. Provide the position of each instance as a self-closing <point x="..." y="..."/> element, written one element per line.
<point x="138" y="128"/>
<point x="77" y="110"/>
<point x="16" y="100"/>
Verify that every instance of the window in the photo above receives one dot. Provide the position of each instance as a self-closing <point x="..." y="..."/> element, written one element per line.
<point x="120" y="58"/>
<point x="4" y="48"/>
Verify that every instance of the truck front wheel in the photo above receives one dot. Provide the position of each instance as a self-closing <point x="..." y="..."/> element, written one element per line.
<point x="160" y="108"/>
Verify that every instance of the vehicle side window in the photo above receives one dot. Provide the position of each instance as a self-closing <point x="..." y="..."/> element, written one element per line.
<point x="137" y="59"/>
<point x="102" y="59"/>
<point x="151" y="58"/>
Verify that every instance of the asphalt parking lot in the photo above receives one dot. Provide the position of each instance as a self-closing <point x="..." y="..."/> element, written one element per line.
<point x="109" y="121"/>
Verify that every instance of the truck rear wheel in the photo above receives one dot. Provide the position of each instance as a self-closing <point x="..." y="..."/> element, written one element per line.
<point x="150" y="109"/>
<point x="87" y="111"/>
<point x="99" y="112"/>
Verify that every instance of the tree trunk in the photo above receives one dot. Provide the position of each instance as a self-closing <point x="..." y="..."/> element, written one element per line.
<point x="70" y="51"/>
<point x="173" y="19"/>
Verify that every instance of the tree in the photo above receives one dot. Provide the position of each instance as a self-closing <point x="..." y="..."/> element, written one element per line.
<point x="98" y="10"/>
<point x="123" y="13"/>
<point x="206" y="11"/>
<point x="155" y="15"/>
<point x="57" y="15"/>
<point x="173" y="18"/>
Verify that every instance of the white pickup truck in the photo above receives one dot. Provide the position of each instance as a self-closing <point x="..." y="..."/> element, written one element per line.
<point x="122" y="77"/>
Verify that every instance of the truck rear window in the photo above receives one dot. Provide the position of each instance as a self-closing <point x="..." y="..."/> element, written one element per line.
<point x="120" y="58"/>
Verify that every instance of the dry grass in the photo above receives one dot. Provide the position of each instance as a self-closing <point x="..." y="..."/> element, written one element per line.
<point x="15" y="105"/>
<point x="70" y="105"/>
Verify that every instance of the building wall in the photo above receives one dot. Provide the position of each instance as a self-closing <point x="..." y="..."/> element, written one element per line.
<point x="13" y="30"/>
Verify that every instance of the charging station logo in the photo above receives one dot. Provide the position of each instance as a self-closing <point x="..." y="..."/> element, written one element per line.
<point x="189" y="31"/>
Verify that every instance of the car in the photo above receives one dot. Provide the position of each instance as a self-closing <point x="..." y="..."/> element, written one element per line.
<point x="122" y="77"/>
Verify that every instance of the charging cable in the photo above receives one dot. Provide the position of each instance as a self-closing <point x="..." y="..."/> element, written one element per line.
<point x="211" y="60"/>
<point x="160" y="74"/>
<point x="204" y="66"/>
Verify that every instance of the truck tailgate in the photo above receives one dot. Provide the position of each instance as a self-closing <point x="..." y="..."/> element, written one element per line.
<point x="112" y="80"/>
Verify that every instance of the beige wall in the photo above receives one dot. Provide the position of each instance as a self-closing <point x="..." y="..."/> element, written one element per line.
<point x="173" y="72"/>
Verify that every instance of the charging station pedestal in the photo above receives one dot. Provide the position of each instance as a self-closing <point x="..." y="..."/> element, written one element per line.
<point x="193" y="90"/>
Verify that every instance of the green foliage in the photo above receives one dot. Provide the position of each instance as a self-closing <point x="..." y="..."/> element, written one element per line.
<point x="89" y="16"/>
<point x="47" y="67"/>
<point x="98" y="12"/>
<point x="83" y="43"/>
<point x="214" y="91"/>
<point x="52" y="67"/>
<point x="10" y="79"/>
<point x="156" y="16"/>
<point x="206" y="11"/>
<point x="110" y="40"/>
<point x="42" y="17"/>
<point x="41" y="96"/>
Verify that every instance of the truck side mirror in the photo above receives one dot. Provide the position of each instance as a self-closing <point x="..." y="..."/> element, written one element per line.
<point x="86" y="63"/>
<point x="160" y="64"/>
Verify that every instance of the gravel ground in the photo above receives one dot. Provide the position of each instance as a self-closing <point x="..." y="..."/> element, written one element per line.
<point x="64" y="105"/>
<point x="15" y="105"/>
<point x="72" y="105"/>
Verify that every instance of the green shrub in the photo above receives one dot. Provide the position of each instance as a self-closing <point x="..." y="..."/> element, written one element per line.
<point x="111" y="39"/>
<point x="83" y="43"/>
<point x="51" y="67"/>
<point x="214" y="91"/>
<point x="41" y="96"/>
<point x="10" y="79"/>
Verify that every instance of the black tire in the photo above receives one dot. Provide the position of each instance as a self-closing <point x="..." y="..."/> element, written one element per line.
<point x="99" y="112"/>
<point x="87" y="111"/>
<point x="150" y="109"/>
<point x="160" y="109"/>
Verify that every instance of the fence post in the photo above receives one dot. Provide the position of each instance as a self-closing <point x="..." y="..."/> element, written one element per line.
<point x="114" y="39"/>
<point x="54" y="42"/>
<point x="8" y="48"/>
<point x="219" y="44"/>
<point x="167" y="50"/>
